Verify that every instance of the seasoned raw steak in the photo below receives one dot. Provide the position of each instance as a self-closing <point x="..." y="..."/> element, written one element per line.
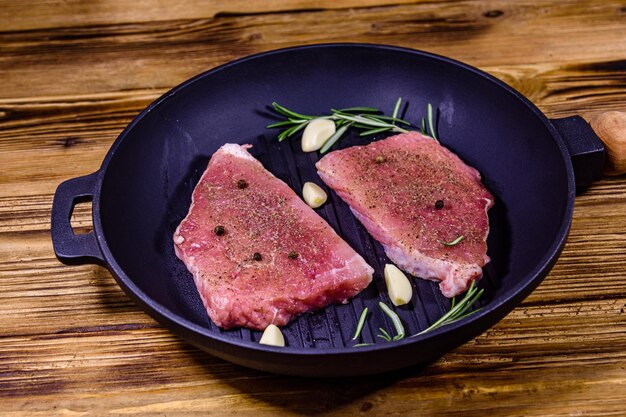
<point x="258" y="254"/>
<point x="413" y="195"/>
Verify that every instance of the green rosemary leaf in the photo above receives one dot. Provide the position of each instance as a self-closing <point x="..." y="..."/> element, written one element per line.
<point x="396" y="108"/>
<point x="423" y="130"/>
<point x="362" y="126"/>
<point x="359" y="326"/>
<point x="469" y="303"/>
<point x="370" y="122"/>
<point x="361" y="119"/>
<point x="463" y="316"/>
<point x="291" y="131"/>
<point x="341" y="122"/>
<point x="357" y="110"/>
<point x="285" y="133"/>
<point x="384" y="334"/>
<point x="300" y="127"/>
<point x="430" y="121"/>
<point x="374" y="131"/>
<point x="395" y="319"/>
<point x="290" y="113"/>
<point x="335" y="137"/>
<point x="280" y="124"/>
<point x="362" y="344"/>
<point x="382" y="118"/>
<point x="379" y="118"/>
<point x="455" y="241"/>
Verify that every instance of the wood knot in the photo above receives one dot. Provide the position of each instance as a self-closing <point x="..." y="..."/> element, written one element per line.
<point x="69" y="141"/>
<point x="493" y="13"/>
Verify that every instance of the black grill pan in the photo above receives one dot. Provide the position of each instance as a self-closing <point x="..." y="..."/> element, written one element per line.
<point x="143" y="190"/>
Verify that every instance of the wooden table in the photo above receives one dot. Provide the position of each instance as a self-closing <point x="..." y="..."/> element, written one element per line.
<point x="75" y="73"/>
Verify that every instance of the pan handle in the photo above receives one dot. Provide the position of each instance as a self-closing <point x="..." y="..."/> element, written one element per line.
<point x="585" y="149"/>
<point x="69" y="247"/>
<point x="610" y="126"/>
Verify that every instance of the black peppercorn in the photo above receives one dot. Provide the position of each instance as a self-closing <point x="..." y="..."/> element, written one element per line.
<point x="257" y="256"/>
<point x="241" y="184"/>
<point x="439" y="204"/>
<point x="293" y="255"/>
<point x="219" y="230"/>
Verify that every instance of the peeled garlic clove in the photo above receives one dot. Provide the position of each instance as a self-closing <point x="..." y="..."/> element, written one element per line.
<point x="272" y="336"/>
<point x="316" y="133"/>
<point x="313" y="195"/>
<point x="398" y="285"/>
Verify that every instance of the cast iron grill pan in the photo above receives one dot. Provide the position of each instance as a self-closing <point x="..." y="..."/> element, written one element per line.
<point x="143" y="191"/>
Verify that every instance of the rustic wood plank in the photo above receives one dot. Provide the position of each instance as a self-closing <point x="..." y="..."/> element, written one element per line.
<point x="524" y="341"/>
<point x="123" y="57"/>
<point x="43" y="14"/>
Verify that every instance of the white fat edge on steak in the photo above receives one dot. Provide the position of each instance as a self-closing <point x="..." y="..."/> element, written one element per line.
<point x="431" y="269"/>
<point x="348" y="266"/>
<point x="240" y="151"/>
<point x="489" y="204"/>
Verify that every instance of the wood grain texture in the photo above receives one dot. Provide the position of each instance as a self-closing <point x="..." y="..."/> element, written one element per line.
<point x="74" y="74"/>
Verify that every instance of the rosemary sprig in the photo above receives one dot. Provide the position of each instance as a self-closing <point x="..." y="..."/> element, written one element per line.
<point x="458" y="310"/>
<point x="365" y="119"/>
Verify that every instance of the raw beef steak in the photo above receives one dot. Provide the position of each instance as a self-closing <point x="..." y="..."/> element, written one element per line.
<point x="413" y="195"/>
<point x="258" y="254"/>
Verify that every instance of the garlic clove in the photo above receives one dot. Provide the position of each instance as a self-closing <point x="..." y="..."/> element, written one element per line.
<point x="398" y="285"/>
<point x="272" y="336"/>
<point x="316" y="133"/>
<point x="313" y="194"/>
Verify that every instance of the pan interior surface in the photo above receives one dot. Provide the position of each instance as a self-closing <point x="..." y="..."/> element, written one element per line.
<point x="156" y="163"/>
